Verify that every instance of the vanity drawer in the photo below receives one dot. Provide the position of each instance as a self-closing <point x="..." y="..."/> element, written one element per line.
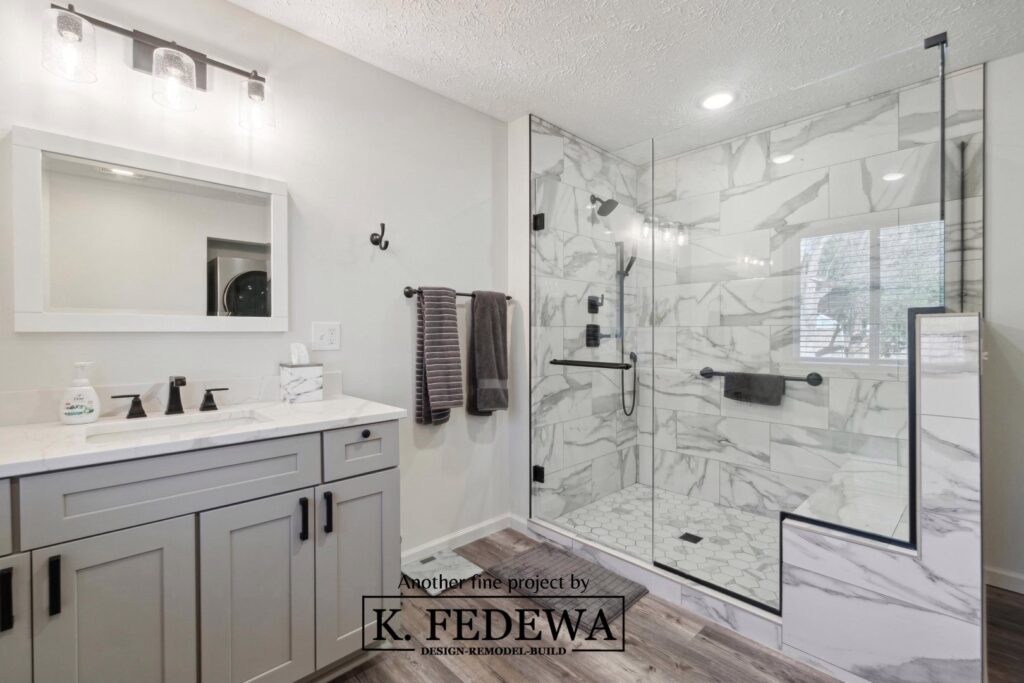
<point x="358" y="450"/>
<point x="6" y="546"/>
<point x="70" y="504"/>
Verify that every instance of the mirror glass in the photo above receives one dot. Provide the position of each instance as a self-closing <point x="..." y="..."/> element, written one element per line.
<point x="122" y="239"/>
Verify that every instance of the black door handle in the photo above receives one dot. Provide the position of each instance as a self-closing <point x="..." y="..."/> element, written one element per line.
<point x="329" y="509"/>
<point x="304" y="507"/>
<point x="366" y="433"/>
<point x="53" y="572"/>
<point x="6" y="599"/>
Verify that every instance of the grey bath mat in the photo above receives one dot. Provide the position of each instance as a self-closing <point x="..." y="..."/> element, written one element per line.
<point x="440" y="571"/>
<point x="550" y="562"/>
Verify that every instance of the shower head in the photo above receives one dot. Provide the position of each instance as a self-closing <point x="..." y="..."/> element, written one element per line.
<point x="629" y="265"/>
<point x="603" y="206"/>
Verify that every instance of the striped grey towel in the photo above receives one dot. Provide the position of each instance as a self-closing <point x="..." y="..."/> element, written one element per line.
<point x="438" y="365"/>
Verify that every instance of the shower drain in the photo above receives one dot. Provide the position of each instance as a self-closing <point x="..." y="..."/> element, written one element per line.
<point x="691" y="538"/>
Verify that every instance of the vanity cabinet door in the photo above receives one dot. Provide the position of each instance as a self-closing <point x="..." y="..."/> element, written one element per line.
<point x="117" y="607"/>
<point x="257" y="590"/>
<point x="358" y="552"/>
<point x="15" y="620"/>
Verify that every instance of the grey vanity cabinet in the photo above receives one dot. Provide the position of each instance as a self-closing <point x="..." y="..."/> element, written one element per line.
<point x="357" y="554"/>
<point x="117" y="607"/>
<point x="15" y="620"/>
<point x="256" y="579"/>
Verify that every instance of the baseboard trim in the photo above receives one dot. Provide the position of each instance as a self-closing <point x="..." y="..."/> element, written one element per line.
<point x="463" y="536"/>
<point x="1004" y="578"/>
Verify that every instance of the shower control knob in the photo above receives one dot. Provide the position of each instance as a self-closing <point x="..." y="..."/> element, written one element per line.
<point x="366" y="433"/>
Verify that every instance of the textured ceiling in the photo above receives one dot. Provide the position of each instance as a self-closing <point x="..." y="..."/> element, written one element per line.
<point x="618" y="71"/>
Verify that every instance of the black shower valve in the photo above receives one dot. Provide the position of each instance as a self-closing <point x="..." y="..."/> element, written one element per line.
<point x="593" y="336"/>
<point x="594" y="303"/>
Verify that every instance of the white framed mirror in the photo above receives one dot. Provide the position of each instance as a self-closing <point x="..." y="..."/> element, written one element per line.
<point x="108" y="239"/>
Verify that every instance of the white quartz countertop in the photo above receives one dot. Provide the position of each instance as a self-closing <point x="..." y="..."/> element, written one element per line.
<point x="34" y="448"/>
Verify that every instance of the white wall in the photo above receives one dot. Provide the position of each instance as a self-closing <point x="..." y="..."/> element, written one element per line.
<point x="356" y="146"/>
<point x="1003" y="370"/>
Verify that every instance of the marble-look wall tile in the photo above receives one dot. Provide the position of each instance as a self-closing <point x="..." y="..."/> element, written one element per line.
<point x="818" y="453"/>
<point x="950" y="348"/>
<point x="585" y="258"/>
<point x="802" y="405"/>
<point x="696" y="215"/>
<point x="574" y="347"/>
<point x="563" y="491"/>
<point x="686" y="475"/>
<point x="760" y="301"/>
<point x="786" y="241"/>
<point x="730" y="257"/>
<point x="546" y="346"/>
<point x="743" y="620"/>
<point x="587" y="438"/>
<point x="740" y="442"/>
<point x="793" y="199"/>
<point x="661" y="422"/>
<point x="563" y="206"/>
<point x="763" y="492"/>
<point x="786" y="360"/>
<point x="858" y="187"/>
<point x="965" y="105"/>
<point x="656" y="346"/>
<point x="547" y="444"/>
<point x="558" y="398"/>
<point x="868" y="407"/>
<point x="687" y="304"/>
<point x="606" y="396"/>
<point x="864" y="494"/>
<point x="546" y="149"/>
<point x="680" y="390"/>
<point x="876" y="636"/>
<point x="614" y="472"/>
<point x="851" y="132"/>
<point x="558" y="302"/>
<point x="725" y="349"/>
<point x="547" y="252"/>
<point x="659" y="187"/>
<point x="591" y="168"/>
<point x="627" y="431"/>
<point x="973" y="213"/>
<point x="721" y="166"/>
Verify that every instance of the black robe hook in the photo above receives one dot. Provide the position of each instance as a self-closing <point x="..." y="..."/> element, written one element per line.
<point x="377" y="239"/>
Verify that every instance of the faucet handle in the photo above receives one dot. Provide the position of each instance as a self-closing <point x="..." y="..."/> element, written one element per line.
<point x="208" y="402"/>
<point x="136" y="409"/>
<point x="176" y="380"/>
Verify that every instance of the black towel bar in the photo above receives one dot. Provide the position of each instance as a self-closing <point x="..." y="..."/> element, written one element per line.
<point x="410" y="292"/>
<point x="813" y="378"/>
<point x="592" y="364"/>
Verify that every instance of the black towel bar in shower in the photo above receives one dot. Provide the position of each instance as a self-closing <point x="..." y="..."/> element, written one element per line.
<point x="592" y="364"/>
<point x="813" y="378"/>
<point x="410" y="292"/>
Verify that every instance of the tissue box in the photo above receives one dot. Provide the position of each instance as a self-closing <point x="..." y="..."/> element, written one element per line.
<point x="302" y="383"/>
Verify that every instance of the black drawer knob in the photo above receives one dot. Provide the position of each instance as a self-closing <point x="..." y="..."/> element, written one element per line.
<point x="366" y="433"/>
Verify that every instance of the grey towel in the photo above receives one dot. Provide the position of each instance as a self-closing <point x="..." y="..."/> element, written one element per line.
<point x="488" y="354"/>
<point x="765" y="390"/>
<point x="438" y="365"/>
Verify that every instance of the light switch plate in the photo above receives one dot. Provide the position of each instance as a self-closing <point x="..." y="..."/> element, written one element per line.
<point x="326" y="336"/>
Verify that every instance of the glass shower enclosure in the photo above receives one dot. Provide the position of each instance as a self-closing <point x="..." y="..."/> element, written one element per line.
<point x="719" y="329"/>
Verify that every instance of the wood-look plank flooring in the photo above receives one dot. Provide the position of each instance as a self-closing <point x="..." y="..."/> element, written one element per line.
<point x="1005" y="636"/>
<point x="663" y="643"/>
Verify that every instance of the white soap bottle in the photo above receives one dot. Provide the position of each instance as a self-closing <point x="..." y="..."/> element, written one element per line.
<point x="80" y="404"/>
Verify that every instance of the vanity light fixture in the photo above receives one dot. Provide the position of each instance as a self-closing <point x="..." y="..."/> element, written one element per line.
<point x="717" y="100"/>
<point x="783" y="158"/>
<point x="892" y="177"/>
<point x="69" y="50"/>
<point x="69" y="46"/>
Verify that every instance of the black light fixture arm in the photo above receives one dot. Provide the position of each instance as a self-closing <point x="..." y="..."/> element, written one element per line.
<point x="156" y="42"/>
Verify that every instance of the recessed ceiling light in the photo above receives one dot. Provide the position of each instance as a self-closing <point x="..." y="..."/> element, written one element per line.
<point x="122" y="171"/>
<point x="717" y="100"/>
<point x="783" y="158"/>
<point x="891" y="177"/>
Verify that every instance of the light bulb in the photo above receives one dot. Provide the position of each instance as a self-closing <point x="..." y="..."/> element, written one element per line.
<point x="174" y="79"/>
<point x="255" y="105"/>
<point x="69" y="46"/>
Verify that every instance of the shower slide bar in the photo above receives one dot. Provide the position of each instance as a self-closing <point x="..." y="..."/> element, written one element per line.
<point x="410" y="292"/>
<point x="813" y="378"/>
<point x="592" y="364"/>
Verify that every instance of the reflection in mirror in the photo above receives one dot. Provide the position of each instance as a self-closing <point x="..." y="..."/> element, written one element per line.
<point x="124" y="239"/>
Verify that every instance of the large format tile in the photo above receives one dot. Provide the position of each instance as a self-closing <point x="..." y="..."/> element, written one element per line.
<point x="547" y="252"/>
<point x="793" y="199"/>
<point x="546" y="346"/>
<point x="730" y="164"/>
<point x="740" y="442"/>
<point x="949" y="362"/>
<point x="788" y="359"/>
<point x="875" y="636"/>
<point x="763" y="492"/>
<point x="587" y="438"/>
<point x="559" y="302"/>
<point x="725" y="349"/>
<point x="696" y="216"/>
<point x="729" y="257"/>
<point x="591" y="168"/>
<point x="687" y="304"/>
<point x="686" y="475"/>
<point x="965" y="105"/>
<point x="546" y="149"/>
<point x="681" y="390"/>
<point x="864" y="494"/>
<point x="858" y="187"/>
<point x="558" y="398"/>
<point x="657" y="427"/>
<point x="802" y="405"/>
<point x="868" y="407"/>
<point x="547" y="446"/>
<point x="563" y="206"/>
<point x="851" y="132"/>
<point x="760" y="301"/>
<point x="584" y="258"/>
<point x="818" y="453"/>
<point x="562" y="491"/>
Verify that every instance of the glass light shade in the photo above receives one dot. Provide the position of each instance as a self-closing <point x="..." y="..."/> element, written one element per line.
<point x="255" y="105"/>
<point x="69" y="46"/>
<point x="174" y="79"/>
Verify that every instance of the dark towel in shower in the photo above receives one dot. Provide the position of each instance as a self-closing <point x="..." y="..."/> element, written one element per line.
<point x="438" y="365"/>
<point x="765" y="390"/>
<point x="488" y="354"/>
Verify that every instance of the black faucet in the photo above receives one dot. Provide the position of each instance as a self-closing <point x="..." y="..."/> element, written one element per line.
<point x="174" y="395"/>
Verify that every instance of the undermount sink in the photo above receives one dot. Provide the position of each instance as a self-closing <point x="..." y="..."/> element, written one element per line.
<point x="195" y="424"/>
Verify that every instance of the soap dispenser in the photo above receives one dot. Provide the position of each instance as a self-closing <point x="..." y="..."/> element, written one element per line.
<point x="80" y="404"/>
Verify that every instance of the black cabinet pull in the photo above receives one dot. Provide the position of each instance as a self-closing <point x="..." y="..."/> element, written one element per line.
<point x="6" y="599"/>
<point x="366" y="433"/>
<point x="53" y="572"/>
<point x="304" y="507"/>
<point x="329" y="509"/>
